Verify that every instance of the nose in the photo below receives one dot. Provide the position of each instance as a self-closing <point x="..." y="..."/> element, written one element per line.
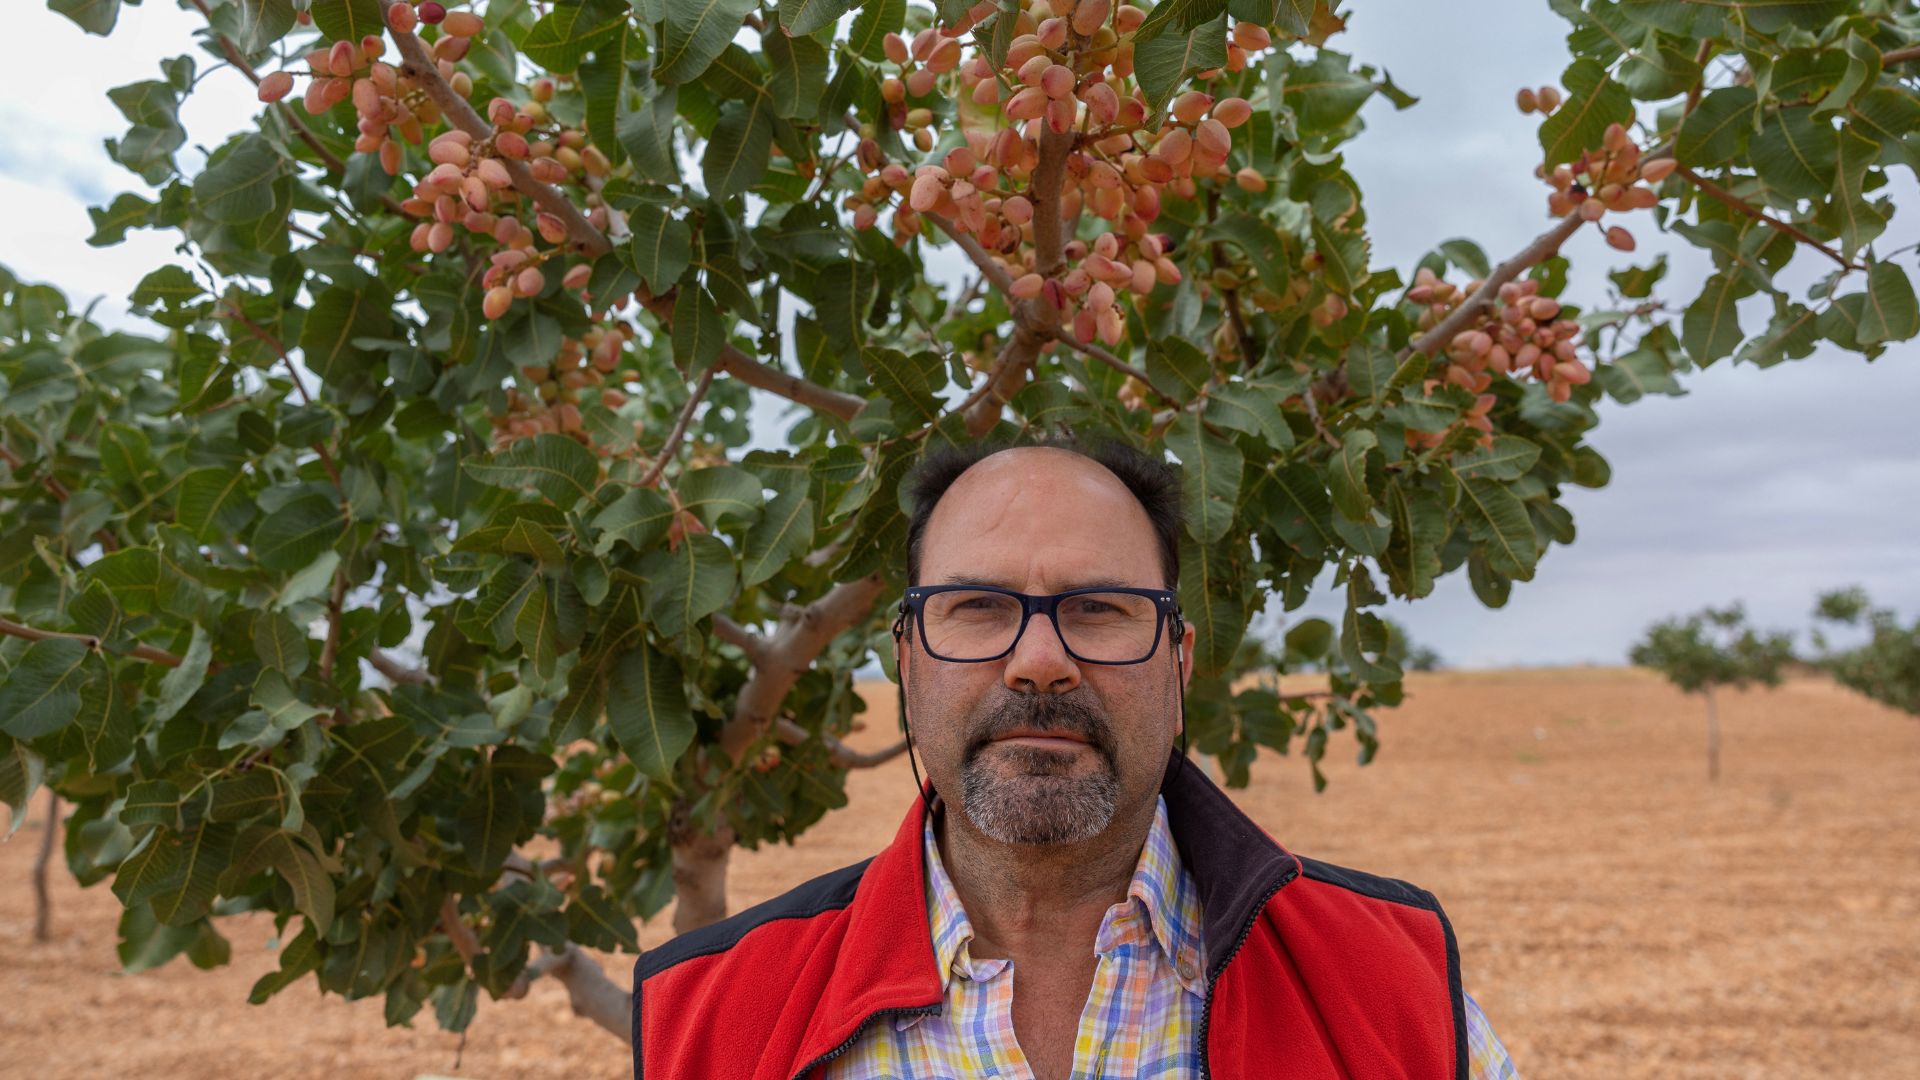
<point x="1039" y="663"/>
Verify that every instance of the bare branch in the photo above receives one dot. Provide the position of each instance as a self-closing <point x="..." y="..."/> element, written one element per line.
<point x="1434" y="341"/>
<point x="1900" y="56"/>
<point x="1743" y="206"/>
<point x="589" y="991"/>
<point x="679" y="431"/>
<point x="989" y="266"/>
<point x="42" y="902"/>
<point x="843" y="755"/>
<point x="465" y="942"/>
<point x="766" y="377"/>
<point x="1112" y="361"/>
<point x="138" y="652"/>
<point x="734" y="634"/>
<point x="336" y="600"/>
<point x="790" y="651"/>
<point x="397" y="672"/>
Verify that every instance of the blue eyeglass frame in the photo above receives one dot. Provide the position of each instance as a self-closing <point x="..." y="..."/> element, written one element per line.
<point x="914" y="603"/>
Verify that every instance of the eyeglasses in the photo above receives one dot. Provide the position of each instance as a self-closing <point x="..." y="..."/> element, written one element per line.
<point x="972" y="624"/>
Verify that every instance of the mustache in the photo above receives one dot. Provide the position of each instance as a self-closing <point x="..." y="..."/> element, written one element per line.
<point x="1069" y="713"/>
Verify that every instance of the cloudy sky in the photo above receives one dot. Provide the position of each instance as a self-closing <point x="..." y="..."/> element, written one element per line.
<point x="1759" y="486"/>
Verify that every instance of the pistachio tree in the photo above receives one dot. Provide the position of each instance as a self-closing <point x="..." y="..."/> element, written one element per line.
<point x="1713" y="648"/>
<point x="419" y="577"/>
<point x="1884" y="667"/>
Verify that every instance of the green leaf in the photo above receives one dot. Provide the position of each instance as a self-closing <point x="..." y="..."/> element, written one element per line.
<point x="1347" y="476"/>
<point x="1363" y="645"/>
<point x="262" y="22"/>
<point x="556" y="466"/>
<point x="151" y="802"/>
<point x="647" y="709"/>
<point x="264" y="847"/>
<point x="1848" y="213"/>
<point x="339" y="316"/>
<point x="187" y="893"/>
<point x="20" y="773"/>
<point x="569" y="32"/>
<point x="184" y="680"/>
<point x="1177" y="368"/>
<point x="247" y="795"/>
<point x="1790" y="335"/>
<point x="1412" y="560"/>
<point x="1369" y="370"/>
<point x="1498" y="521"/>
<point x="1660" y="67"/>
<point x="238" y="187"/>
<point x="300" y="957"/>
<point x="1184" y="15"/>
<point x="662" y="247"/>
<point x="1796" y="152"/>
<point x="737" y="152"/>
<point x="687" y="585"/>
<point x="537" y="627"/>
<point x="1210" y="469"/>
<point x="1890" y="313"/>
<point x="799" y="80"/>
<point x="640" y="518"/>
<point x="1297" y="507"/>
<point x="1466" y="255"/>
<point x="1863" y="69"/>
<point x="294" y="535"/>
<point x="876" y="20"/>
<point x="1637" y="282"/>
<point x="214" y="502"/>
<point x="782" y="534"/>
<point x="647" y="134"/>
<point x="696" y="31"/>
<point x="1717" y="129"/>
<point x="279" y="643"/>
<point x="93" y="16"/>
<point x="699" y="330"/>
<point x="1210" y="603"/>
<point x="602" y="77"/>
<point x="720" y="492"/>
<point x="595" y="921"/>
<point x="489" y="822"/>
<point x="801" y="17"/>
<point x="1162" y="65"/>
<point x="1711" y="327"/>
<point x="1593" y="101"/>
<point x="1327" y="94"/>
<point x="348" y="20"/>
<point x="1343" y="255"/>
<point x="1509" y="458"/>
<point x="1635" y="375"/>
<point x="41" y="693"/>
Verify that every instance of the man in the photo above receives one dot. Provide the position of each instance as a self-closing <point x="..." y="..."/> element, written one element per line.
<point x="1155" y="930"/>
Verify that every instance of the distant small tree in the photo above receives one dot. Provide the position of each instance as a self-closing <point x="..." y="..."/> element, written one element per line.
<point x="1887" y="667"/>
<point x="1713" y="647"/>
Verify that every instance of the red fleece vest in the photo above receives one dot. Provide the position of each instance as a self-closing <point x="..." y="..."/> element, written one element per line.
<point x="1315" y="972"/>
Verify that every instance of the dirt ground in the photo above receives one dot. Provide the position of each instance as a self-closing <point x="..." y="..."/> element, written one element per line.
<point x="1618" y="916"/>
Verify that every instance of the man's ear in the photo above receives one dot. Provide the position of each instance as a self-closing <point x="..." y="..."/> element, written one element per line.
<point x="1187" y="634"/>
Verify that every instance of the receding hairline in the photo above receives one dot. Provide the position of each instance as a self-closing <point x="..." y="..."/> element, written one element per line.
<point x="1098" y="473"/>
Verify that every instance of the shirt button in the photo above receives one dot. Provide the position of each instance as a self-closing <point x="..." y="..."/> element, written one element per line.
<point x="1188" y="969"/>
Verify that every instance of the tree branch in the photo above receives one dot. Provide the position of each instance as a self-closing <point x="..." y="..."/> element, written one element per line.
<point x="766" y="377"/>
<point x="1900" y="56"/>
<point x="138" y="652"/>
<point x="58" y="490"/>
<point x="789" y="652"/>
<point x="1754" y="212"/>
<point x="843" y="755"/>
<point x="989" y="266"/>
<point x="679" y="431"/>
<point x="397" y="672"/>
<point x="1112" y="361"/>
<point x="42" y="901"/>
<point x="589" y="991"/>
<point x="336" y="599"/>
<point x="233" y="312"/>
<point x="460" y="934"/>
<point x="1434" y="341"/>
<point x="734" y="634"/>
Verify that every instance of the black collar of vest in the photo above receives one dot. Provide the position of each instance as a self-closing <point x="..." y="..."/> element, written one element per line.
<point x="1236" y="866"/>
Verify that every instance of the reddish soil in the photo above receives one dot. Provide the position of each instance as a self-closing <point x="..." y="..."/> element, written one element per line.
<point x="1619" y="916"/>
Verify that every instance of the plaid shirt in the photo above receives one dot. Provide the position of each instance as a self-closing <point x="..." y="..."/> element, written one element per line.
<point x="1141" y="1015"/>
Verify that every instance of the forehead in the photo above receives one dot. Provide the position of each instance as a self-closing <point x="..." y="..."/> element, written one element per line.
<point x="1039" y="519"/>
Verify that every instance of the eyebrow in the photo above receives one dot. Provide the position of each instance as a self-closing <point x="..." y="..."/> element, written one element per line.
<point x="1000" y="583"/>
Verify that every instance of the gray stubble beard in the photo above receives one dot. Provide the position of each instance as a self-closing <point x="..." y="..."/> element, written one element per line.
<point x="1039" y="804"/>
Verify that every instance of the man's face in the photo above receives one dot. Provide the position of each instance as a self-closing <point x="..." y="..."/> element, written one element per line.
<point x="1036" y="747"/>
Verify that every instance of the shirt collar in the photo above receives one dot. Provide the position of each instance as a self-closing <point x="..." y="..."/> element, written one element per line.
<point x="1162" y="906"/>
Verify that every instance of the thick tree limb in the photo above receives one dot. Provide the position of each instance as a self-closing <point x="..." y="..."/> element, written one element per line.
<point x="788" y="653"/>
<point x="989" y="266"/>
<point x="589" y="991"/>
<point x="1034" y="320"/>
<point x="739" y="636"/>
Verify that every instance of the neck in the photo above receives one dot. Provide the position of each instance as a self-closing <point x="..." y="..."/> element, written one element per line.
<point x="1027" y="900"/>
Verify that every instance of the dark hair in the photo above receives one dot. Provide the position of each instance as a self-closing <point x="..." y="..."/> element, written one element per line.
<point x="1151" y="480"/>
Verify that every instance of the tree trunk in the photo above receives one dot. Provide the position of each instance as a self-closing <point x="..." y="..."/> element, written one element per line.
<point x="1713" y="739"/>
<point x="42" y="904"/>
<point x="700" y="878"/>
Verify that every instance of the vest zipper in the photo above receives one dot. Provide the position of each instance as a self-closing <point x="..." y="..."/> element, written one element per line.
<point x="926" y="1010"/>
<point x="1206" y="1005"/>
